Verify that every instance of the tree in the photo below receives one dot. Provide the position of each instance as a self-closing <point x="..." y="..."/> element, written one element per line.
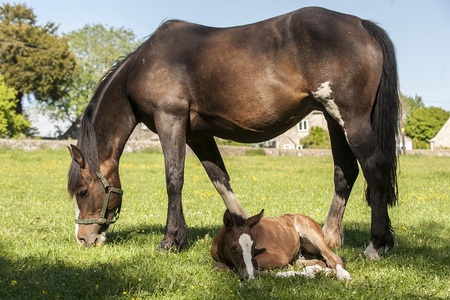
<point x="34" y="59"/>
<point x="96" y="49"/>
<point x="11" y="123"/>
<point x="422" y="124"/>
<point x="317" y="138"/>
<point x="409" y="104"/>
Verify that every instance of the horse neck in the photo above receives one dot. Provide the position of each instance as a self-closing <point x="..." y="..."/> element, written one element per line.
<point x="113" y="119"/>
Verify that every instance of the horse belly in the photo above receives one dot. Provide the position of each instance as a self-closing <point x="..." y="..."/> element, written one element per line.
<point x="250" y="113"/>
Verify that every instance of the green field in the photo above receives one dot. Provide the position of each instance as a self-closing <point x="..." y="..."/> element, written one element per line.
<point x="39" y="258"/>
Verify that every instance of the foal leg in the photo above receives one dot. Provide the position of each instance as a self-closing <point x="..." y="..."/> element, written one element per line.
<point x="313" y="242"/>
<point x="345" y="174"/>
<point x="207" y="152"/>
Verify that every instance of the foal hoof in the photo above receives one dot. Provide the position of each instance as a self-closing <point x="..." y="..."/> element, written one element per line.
<point x="342" y="274"/>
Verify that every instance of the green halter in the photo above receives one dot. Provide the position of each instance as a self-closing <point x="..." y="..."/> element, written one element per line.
<point x="103" y="217"/>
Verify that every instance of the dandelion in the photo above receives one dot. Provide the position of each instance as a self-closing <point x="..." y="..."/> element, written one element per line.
<point x="13" y="282"/>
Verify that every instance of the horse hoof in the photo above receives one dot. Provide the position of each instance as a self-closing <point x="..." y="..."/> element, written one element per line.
<point x="167" y="246"/>
<point x="374" y="254"/>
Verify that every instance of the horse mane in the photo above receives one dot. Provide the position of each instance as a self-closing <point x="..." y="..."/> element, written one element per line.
<point x="87" y="140"/>
<point x="87" y="143"/>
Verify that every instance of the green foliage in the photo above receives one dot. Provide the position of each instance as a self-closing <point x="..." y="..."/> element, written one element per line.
<point x="96" y="48"/>
<point x="40" y="259"/>
<point x="317" y="138"/>
<point x="422" y="124"/>
<point x="34" y="59"/>
<point x="409" y="104"/>
<point x="11" y="124"/>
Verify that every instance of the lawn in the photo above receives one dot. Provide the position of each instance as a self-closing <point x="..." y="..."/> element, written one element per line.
<point x="39" y="258"/>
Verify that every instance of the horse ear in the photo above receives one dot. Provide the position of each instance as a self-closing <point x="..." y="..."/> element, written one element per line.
<point x="228" y="220"/>
<point x="252" y="221"/>
<point x="77" y="156"/>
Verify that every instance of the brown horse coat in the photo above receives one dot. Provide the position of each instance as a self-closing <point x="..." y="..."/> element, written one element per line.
<point x="274" y="243"/>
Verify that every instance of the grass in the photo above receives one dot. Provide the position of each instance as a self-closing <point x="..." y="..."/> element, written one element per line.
<point x="39" y="258"/>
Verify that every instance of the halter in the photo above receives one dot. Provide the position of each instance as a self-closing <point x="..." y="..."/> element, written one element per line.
<point x="103" y="218"/>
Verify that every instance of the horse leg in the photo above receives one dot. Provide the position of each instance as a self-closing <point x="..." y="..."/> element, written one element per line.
<point x="374" y="165"/>
<point x="206" y="150"/>
<point x="172" y="134"/>
<point x="345" y="173"/>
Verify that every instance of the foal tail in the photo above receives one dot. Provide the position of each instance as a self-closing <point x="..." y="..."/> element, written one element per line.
<point x="385" y="113"/>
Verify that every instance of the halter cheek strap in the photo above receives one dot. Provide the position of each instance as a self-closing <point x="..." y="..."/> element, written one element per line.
<point x="103" y="216"/>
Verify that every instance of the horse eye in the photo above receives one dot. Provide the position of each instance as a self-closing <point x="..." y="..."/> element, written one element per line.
<point x="83" y="193"/>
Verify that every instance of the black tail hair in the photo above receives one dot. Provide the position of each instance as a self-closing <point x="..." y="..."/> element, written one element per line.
<point x="385" y="113"/>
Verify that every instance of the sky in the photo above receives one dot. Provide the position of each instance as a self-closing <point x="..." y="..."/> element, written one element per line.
<point x="419" y="29"/>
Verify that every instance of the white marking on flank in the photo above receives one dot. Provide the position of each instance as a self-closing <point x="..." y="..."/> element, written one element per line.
<point x="324" y="91"/>
<point x="323" y="95"/>
<point x="246" y="243"/>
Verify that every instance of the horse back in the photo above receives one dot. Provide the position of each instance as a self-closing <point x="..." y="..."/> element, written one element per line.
<point x="248" y="83"/>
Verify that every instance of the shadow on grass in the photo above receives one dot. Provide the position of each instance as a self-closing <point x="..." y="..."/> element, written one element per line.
<point x="43" y="278"/>
<point x="425" y="249"/>
<point x="194" y="234"/>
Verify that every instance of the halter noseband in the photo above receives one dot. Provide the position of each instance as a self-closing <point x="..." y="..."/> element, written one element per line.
<point x="103" y="217"/>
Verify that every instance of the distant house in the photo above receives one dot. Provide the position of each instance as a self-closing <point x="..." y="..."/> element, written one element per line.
<point x="442" y="138"/>
<point x="404" y="143"/>
<point x="291" y="138"/>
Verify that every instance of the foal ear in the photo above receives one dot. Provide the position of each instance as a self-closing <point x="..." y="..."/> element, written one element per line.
<point x="77" y="156"/>
<point x="259" y="251"/>
<point x="252" y="221"/>
<point x="228" y="220"/>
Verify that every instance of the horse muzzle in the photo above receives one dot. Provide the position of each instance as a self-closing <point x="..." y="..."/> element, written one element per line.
<point x="89" y="238"/>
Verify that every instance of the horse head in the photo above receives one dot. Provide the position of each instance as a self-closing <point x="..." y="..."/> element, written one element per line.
<point x="240" y="244"/>
<point x="97" y="203"/>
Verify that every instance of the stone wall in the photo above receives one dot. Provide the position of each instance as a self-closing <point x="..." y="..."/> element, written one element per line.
<point x="136" y="146"/>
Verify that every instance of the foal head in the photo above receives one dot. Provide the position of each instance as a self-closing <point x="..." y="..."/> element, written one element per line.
<point x="240" y="244"/>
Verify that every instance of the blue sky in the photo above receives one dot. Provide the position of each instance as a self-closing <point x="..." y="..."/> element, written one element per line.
<point x="420" y="29"/>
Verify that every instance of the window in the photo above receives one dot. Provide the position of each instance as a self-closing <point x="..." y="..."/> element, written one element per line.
<point x="303" y="125"/>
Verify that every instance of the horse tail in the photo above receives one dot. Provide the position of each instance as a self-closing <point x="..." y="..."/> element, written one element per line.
<point x="385" y="113"/>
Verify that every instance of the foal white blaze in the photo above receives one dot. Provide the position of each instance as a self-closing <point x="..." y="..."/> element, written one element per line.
<point x="246" y="244"/>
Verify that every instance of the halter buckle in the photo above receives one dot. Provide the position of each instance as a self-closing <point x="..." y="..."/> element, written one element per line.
<point x="101" y="221"/>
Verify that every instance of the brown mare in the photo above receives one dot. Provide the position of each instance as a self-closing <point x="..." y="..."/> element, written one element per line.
<point x="190" y="83"/>
<point x="257" y="243"/>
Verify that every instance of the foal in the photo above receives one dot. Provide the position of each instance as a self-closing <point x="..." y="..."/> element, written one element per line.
<point x="267" y="243"/>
